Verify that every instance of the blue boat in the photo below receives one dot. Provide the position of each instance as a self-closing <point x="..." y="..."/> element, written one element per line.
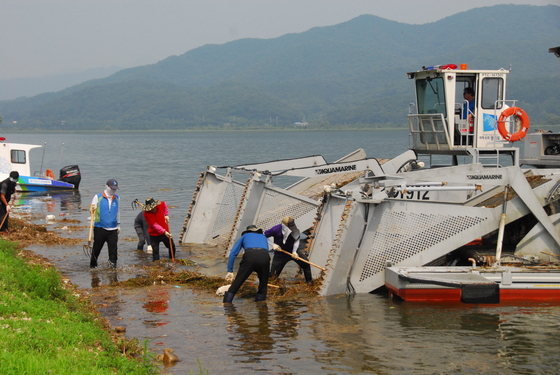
<point x="15" y="157"/>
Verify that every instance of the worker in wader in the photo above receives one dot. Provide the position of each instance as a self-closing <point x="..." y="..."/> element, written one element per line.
<point x="285" y="236"/>
<point x="7" y="190"/>
<point x="106" y="219"/>
<point x="141" y="228"/>
<point x="255" y="259"/>
<point x="156" y="215"/>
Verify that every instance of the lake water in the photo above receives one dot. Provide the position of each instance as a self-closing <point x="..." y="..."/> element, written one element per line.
<point x="365" y="333"/>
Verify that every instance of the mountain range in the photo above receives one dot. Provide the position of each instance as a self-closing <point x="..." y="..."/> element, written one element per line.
<point x="347" y="75"/>
<point x="30" y="86"/>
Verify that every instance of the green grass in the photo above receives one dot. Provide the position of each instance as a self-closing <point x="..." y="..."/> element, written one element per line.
<point x="47" y="329"/>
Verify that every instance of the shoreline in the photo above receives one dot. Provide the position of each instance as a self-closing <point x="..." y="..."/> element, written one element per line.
<point x="237" y="130"/>
<point x="64" y="326"/>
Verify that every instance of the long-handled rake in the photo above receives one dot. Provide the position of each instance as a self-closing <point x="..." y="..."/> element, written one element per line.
<point x="303" y="260"/>
<point x="4" y="219"/>
<point x="87" y="248"/>
<point x="171" y="249"/>
<point x="136" y="203"/>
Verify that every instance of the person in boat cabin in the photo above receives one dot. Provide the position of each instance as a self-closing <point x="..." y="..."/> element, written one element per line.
<point x="286" y="236"/>
<point x="141" y="228"/>
<point x="468" y="108"/>
<point x="255" y="259"/>
<point x="7" y="190"/>
<point x="156" y="215"/>
<point x="106" y="220"/>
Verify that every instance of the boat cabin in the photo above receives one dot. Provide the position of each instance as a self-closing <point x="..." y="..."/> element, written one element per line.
<point x="14" y="157"/>
<point x="441" y="120"/>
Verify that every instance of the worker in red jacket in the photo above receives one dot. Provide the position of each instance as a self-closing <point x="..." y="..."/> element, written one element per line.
<point x="157" y="218"/>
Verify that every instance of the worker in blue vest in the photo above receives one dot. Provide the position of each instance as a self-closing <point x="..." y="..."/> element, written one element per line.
<point x="106" y="220"/>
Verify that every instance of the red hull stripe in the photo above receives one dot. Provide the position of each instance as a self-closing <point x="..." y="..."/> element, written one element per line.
<point x="545" y="294"/>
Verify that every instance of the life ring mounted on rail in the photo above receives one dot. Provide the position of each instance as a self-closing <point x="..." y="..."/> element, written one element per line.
<point x="49" y="174"/>
<point x="525" y="124"/>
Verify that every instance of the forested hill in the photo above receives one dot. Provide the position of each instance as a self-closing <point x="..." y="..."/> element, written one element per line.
<point x="347" y="74"/>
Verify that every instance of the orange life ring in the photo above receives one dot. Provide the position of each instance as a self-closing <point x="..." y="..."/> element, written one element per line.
<point x="49" y="173"/>
<point x="525" y="124"/>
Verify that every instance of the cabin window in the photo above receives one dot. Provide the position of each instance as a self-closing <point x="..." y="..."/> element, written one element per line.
<point x="492" y="93"/>
<point x="18" y="156"/>
<point x="463" y="81"/>
<point x="430" y="95"/>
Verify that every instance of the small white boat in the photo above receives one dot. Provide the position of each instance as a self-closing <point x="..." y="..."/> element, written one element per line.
<point x="15" y="157"/>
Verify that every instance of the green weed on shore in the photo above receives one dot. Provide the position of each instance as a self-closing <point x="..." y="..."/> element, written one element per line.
<point x="45" y="328"/>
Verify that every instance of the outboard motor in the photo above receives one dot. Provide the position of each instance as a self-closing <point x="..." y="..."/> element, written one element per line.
<point x="71" y="174"/>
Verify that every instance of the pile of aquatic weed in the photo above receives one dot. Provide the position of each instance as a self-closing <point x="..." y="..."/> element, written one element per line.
<point x="165" y="272"/>
<point x="46" y="327"/>
<point x="26" y="233"/>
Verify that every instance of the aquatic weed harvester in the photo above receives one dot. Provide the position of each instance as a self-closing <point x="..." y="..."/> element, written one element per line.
<point x="460" y="216"/>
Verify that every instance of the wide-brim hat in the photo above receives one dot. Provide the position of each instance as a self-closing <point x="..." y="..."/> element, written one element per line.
<point x="252" y="229"/>
<point x="288" y="221"/>
<point x="150" y="204"/>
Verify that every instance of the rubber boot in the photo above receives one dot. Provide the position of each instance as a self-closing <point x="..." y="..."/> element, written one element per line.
<point x="228" y="297"/>
<point x="307" y="275"/>
<point x="260" y="297"/>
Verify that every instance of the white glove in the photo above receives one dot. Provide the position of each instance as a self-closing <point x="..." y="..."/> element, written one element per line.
<point x="275" y="247"/>
<point x="118" y="229"/>
<point x="222" y="290"/>
<point x="295" y="256"/>
<point x="229" y="276"/>
<point x="8" y="208"/>
<point x="149" y="249"/>
<point x="169" y="235"/>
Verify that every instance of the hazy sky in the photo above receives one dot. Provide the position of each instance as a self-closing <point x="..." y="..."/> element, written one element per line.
<point x="48" y="37"/>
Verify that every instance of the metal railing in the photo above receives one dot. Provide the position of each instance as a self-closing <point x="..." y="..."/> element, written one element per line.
<point x="429" y="132"/>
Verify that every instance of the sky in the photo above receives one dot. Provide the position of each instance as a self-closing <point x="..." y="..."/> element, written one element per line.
<point x="50" y="37"/>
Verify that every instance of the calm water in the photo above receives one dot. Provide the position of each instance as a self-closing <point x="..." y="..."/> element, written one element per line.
<point x="334" y="335"/>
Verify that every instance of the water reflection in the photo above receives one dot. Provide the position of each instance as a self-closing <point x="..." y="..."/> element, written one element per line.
<point x="99" y="278"/>
<point x="287" y="320"/>
<point x="251" y="332"/>
<point x="452" y="316"/>
<point x="111" y="305"/>
<point x="65" y="202"/>
<point x="157" y="303"/>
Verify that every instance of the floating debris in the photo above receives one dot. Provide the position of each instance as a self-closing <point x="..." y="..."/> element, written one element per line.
<point x="167" y="357"/>
<point x="27" y="233"/>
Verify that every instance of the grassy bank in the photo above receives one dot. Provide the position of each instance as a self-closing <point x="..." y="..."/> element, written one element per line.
<point x="46" y="328"/>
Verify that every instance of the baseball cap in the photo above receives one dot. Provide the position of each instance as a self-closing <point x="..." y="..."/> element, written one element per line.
<point x="113" y="184"/>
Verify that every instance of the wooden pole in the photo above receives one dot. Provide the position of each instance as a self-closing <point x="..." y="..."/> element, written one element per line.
<point x="303" y="260"/>
<point x="4" y="219"/>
